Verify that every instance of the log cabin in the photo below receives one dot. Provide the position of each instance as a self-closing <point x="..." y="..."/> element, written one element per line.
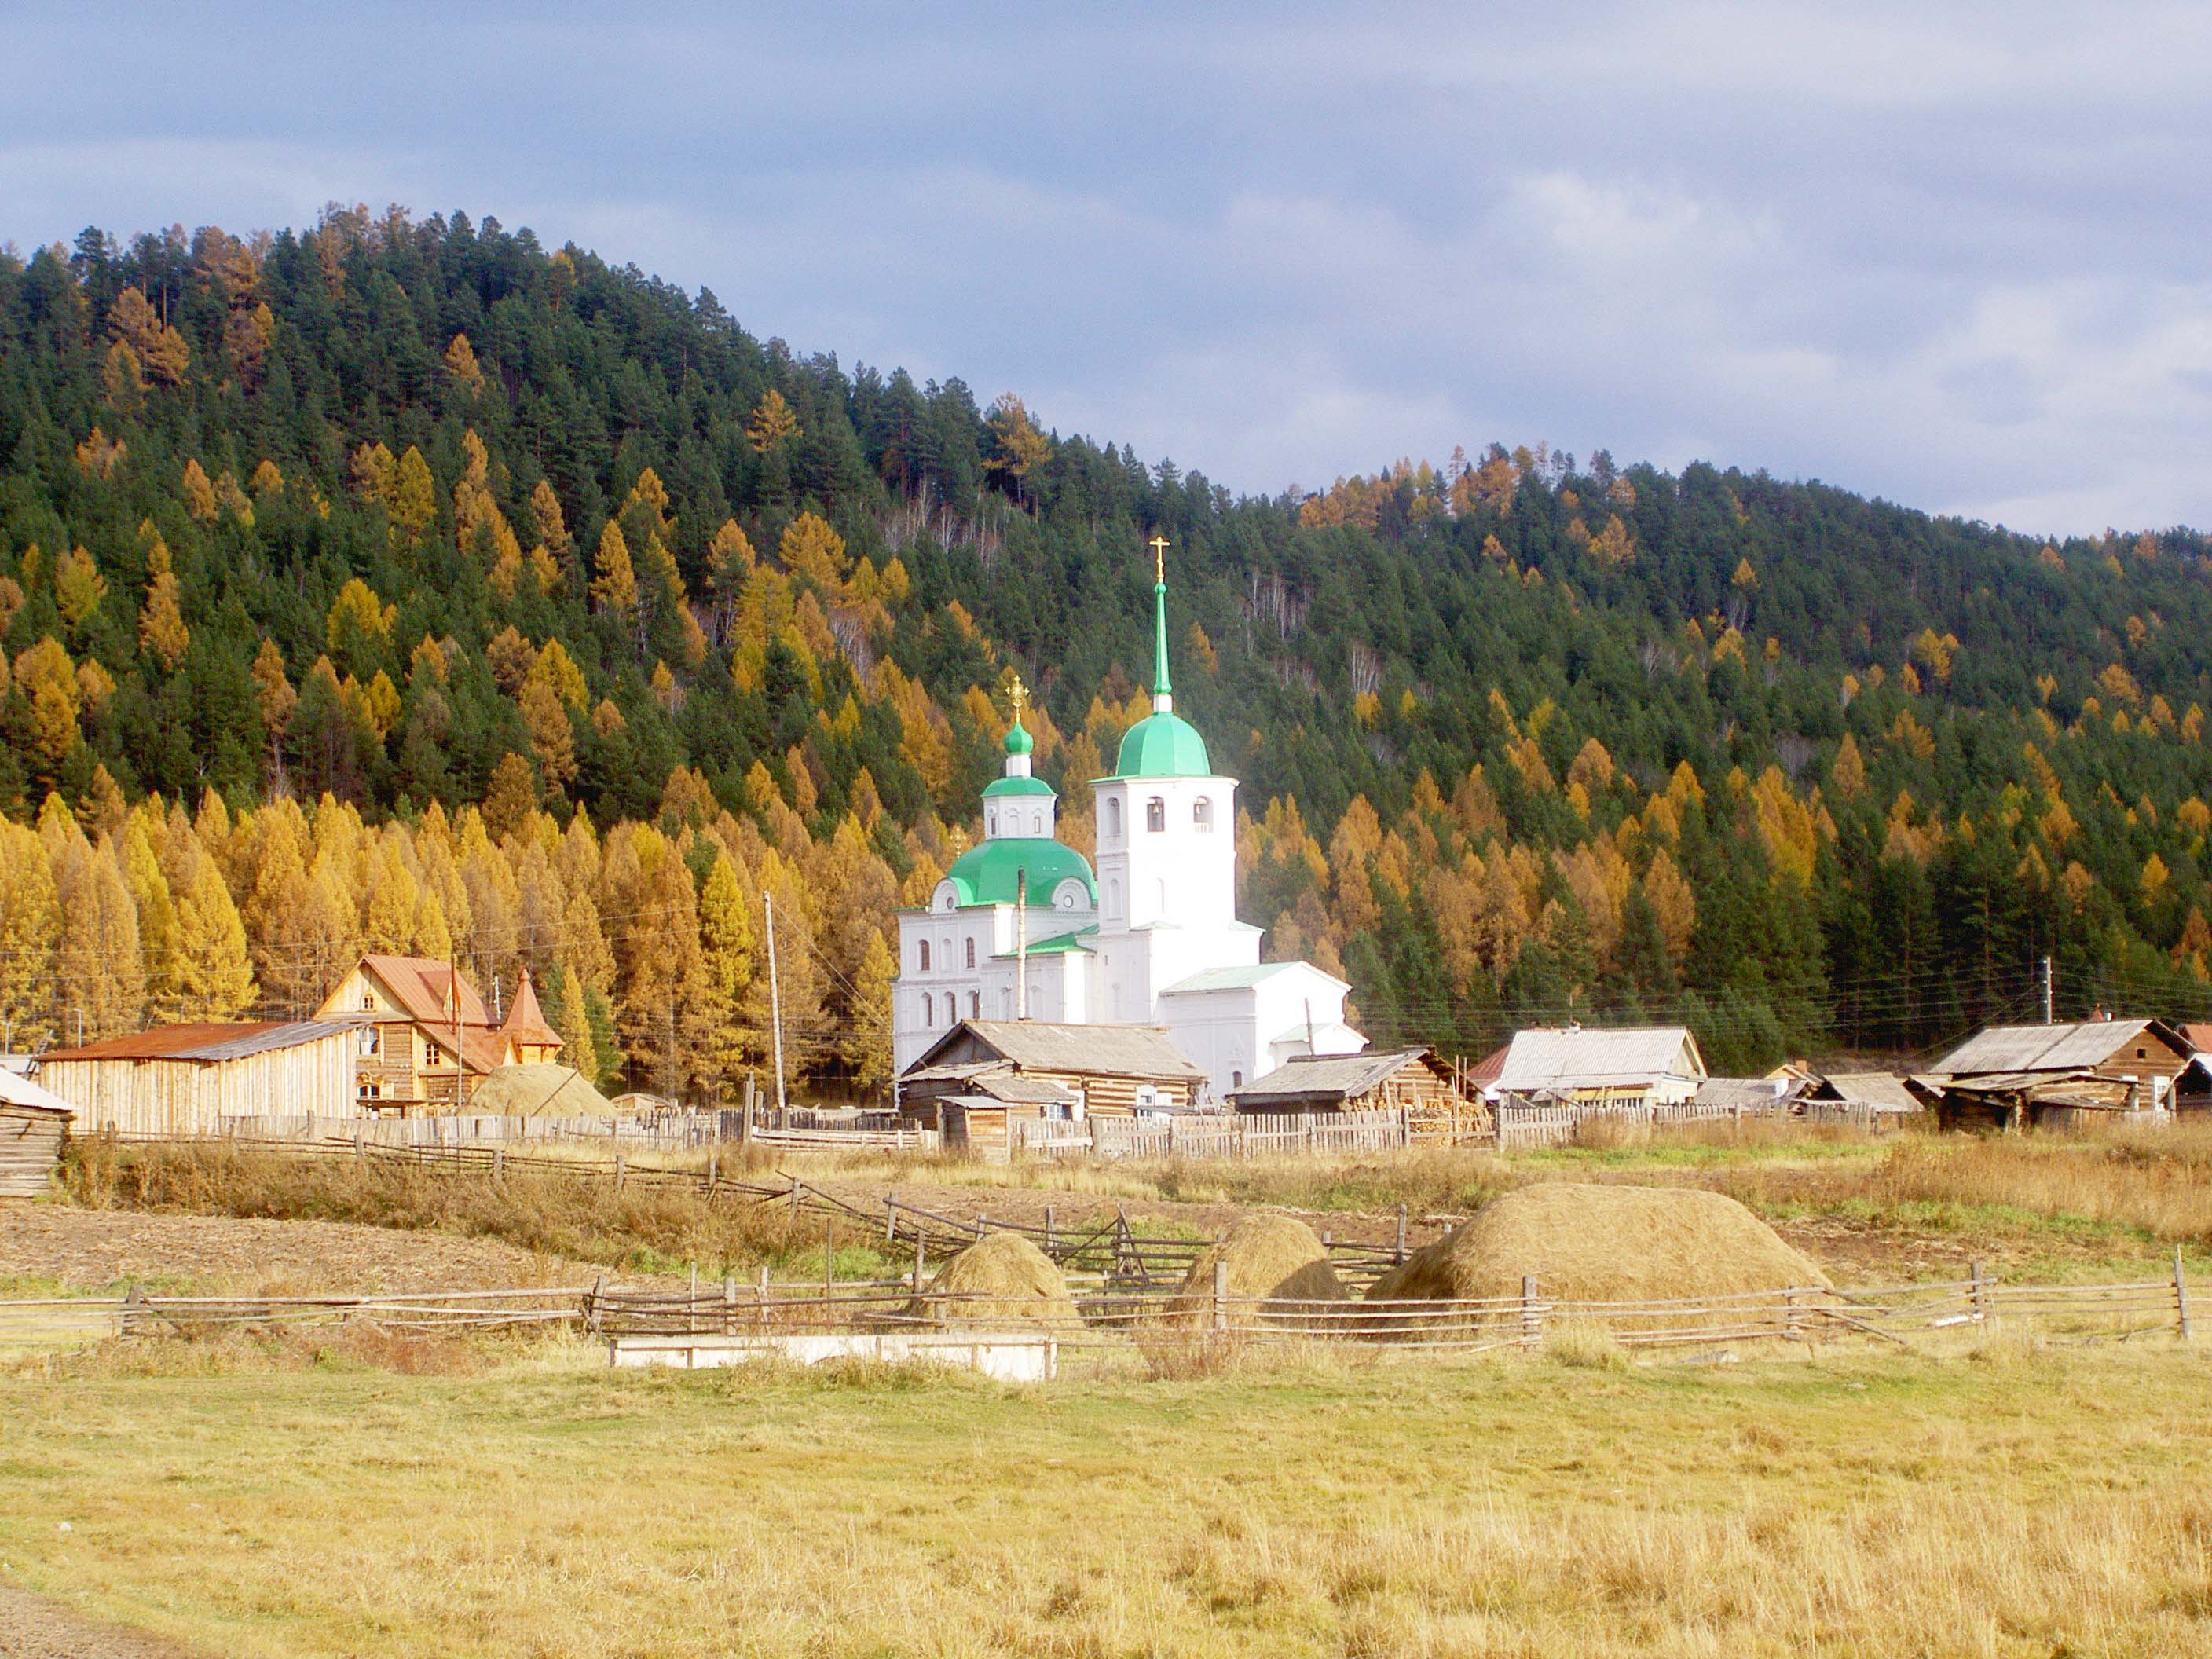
<point x="1383" y="1080"/>
<point x="2098" y="1071"/>
<point x="425" y="1038"/>
<point x="979" y="1077"/>
<point x="35" y="1124"/>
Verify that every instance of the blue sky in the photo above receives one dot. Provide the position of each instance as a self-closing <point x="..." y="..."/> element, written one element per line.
<point x="1952" y="256"/>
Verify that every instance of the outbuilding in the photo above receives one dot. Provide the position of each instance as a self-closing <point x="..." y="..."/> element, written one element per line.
<point x="1386" y="1080"/>
<point x="2098" y="1071"/>
<point x="35" y="1124"/>
<point x="983" y="1074"/>
<point x="186" y="1079"/>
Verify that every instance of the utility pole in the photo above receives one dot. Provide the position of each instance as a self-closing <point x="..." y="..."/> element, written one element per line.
<point x="1021" y="944"/>
<point x="453" y="990"/>
<point x="2046" y="990"/>
<point x="774" y="1001"/>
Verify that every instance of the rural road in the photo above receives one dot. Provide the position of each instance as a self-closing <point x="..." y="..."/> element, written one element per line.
<point x="32" y="1628"/>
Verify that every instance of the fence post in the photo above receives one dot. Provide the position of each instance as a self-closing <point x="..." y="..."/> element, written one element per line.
<point x="621" y="1168"/>
<point x="919" y="1266"/>
<point x="2180" y="1295"/>
<point x="729" y="1303"/>
<point x="715" y="1163"/>
<point x="1532" y="1317"/>
<point x="1049" y="1231"/>
<point x="1792" y="1328"/>
<point x="1220" y="1294"/>
<point x="499" y="1164"/>
<point x="591" y="1313"/>
<point x="797" y="1186"/>
<point x="890" y="1219"/>
<point x="1981" y="1298"/>
<point x="1401" y="1255"/>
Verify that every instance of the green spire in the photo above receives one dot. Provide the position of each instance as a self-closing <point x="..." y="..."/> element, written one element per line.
<point x="1162" y="688"/>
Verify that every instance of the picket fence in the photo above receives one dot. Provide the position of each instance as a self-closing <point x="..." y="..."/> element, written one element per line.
<point x="1241" y="1135"/>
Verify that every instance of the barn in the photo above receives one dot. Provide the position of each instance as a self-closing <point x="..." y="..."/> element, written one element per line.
<point x="982" y="1075"/>
<point x="1384" y="1080"/>
<point x="34" y="1127"/>
<point x="2098" y="1071"/>
<point x="186" y="1079"/>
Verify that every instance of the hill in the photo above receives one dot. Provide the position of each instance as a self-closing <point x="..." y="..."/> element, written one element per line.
<point x="404" y="584"/>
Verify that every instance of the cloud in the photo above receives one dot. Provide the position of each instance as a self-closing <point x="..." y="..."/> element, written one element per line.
<point x="1950" y="256"/>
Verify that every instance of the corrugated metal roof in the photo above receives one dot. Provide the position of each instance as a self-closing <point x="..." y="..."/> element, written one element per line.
<point x="419" y="984"/>
<point x="1749" y="1094"/>
<point x="22" y="1091"/>
<point x="1138" y="1051"/>
<point x="1338" y="1077"/>
<point x="2042" y="1047"/>
<point x="206" y="1043"/>
<point x="1884" y="1089"/>
<point x="1589" y="1058"/>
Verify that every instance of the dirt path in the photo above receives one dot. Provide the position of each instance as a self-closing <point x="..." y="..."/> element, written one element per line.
<point x="93" y="1250"/>
<point x="33" y="1627"/>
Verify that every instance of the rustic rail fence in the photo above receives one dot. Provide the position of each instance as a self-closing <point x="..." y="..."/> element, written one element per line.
<point x="1112" y="1313"/>
<point x="1241" y="1135"/>
<point x="666" y="1131"/>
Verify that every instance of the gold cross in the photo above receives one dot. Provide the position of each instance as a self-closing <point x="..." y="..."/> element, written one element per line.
<point x="1160" y="546"/>
<point x="1018" y="692"/>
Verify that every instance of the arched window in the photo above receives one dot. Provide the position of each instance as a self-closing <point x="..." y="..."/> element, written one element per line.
<point x="991" y="823"/>
<point x="1114" y="815"/>
<point x="971" y="952"/>
<point x="1156" y="815"/>
<point x="975" y="1005"/>
<point x="928" y="1010"/>
<point x="1005" y="1004"/>
<point x="1237" y="1079"/>
<point x="925" y="969"/>
<point x="1202" y="813"/>
<point x="1114" y="896"/>
<point x="944" y="950"/>
<point x="1037" y="823"/>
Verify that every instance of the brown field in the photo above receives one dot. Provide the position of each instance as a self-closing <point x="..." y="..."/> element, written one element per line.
<point x="264" y="1499"/>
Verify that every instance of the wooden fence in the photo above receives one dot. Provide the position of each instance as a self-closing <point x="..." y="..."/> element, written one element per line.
<point x="667" y="1132"/>
<point x="1523" y="1122"/>
<point x="1112" y="1313"/>
<point x="1252" y="1135"/>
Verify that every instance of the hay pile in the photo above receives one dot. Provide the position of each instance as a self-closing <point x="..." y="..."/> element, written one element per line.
<point x="1267" y="1255"/>
<point x="1586" y="1243"/>
<point x="541" y="1091"/>
<point x="999" y="1279"/>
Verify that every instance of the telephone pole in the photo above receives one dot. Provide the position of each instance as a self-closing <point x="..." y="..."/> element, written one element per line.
<point x="2046" y="990"/>
<point x="774" y="1001"/>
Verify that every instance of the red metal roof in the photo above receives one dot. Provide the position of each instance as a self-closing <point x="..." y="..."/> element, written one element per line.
<point x="206" y="1041"/>
<point x="419" y="986"/>
<point x="525" y="1020"/>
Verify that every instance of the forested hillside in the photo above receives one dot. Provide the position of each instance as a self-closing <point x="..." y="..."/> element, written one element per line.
<point x="399" y="584"/>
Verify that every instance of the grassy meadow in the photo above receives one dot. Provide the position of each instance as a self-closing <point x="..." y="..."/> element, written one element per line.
<point x="463" y="1499"/>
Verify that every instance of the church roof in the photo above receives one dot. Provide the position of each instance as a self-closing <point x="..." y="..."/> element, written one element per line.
<point x="987" y="872"/>
<point x="1162" y="745"/>
<point x="1240" y="979"/>
<point x="1029" y="785"/>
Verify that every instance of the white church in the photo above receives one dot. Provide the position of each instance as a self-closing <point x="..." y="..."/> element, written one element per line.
<point x="1021" y="927"/>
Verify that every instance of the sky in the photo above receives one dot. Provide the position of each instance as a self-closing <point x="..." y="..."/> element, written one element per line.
<point x="1952" y="256"/>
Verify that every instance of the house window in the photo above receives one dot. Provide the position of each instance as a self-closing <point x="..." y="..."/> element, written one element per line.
<point x="1156" y="815"/>
<point x="925" y="962"/>
<point x="1112" y="816"/>
<point x="971" y="952"/>
<point x="1202" y="813"/>
<point x="372" y="1040"/>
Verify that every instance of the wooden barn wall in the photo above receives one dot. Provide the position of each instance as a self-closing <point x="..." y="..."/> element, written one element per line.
<point x="193" y="1097"/>
<point x="30" y="1145"/>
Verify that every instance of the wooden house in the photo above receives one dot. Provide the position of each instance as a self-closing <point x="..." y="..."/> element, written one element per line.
<point x="425" y="1038"/>
<point x="1383" y="1080"/>
<point x="983" y="1074"/>
<point x="2100" y="1071"/>
<point x="34" y="1124"/>
<point x="186" y="1079"/>
<point x="1586" y="1067"/>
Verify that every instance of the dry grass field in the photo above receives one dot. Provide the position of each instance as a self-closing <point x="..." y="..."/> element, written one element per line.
<point x="263" y="1500"/>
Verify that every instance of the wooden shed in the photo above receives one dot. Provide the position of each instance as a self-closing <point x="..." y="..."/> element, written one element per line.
<point x="982" y="1073"/>
<point x="34" y="1126"/>
<point x="2101" y="1070"/>
<point x="1375" y="1081"/>
<point x="186" y="1079"/>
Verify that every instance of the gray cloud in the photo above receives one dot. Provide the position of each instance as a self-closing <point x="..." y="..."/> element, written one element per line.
<point x="1955" y="259"/>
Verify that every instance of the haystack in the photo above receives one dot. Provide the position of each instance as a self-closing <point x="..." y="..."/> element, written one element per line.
<point x="541" y="1091"/>
<point x="1585" y="1243"/>
<point x="1267" y="1256"/>
<point x="1001" y="1278"/>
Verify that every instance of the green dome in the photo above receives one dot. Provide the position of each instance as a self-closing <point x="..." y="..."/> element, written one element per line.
<point x="1163" y="746"/>
<point x="1015" y="787"/>
<point x="986" y="873"/>
<point x="1018" y="741"/>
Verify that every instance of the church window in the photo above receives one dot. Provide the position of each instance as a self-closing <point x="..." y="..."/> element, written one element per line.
<point x="1156" y="815"/>
<point x="1005" y="1004"/>
<point x="1163" y="895"/>
<point x="944" y="950"/>
<point x="925" y="969"/>
<point x="991" y="824"/>
<point x="1112" y="816"/>
<point x="928" y="1010"/>
<point x="971" y="953"/>
<point x="1201" y="812"/>
<point x="975" y="1005"/>
<point x="1114" y="896"/>
<point x="1037" y="823"/>
<point x="1237" y="1079"/>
